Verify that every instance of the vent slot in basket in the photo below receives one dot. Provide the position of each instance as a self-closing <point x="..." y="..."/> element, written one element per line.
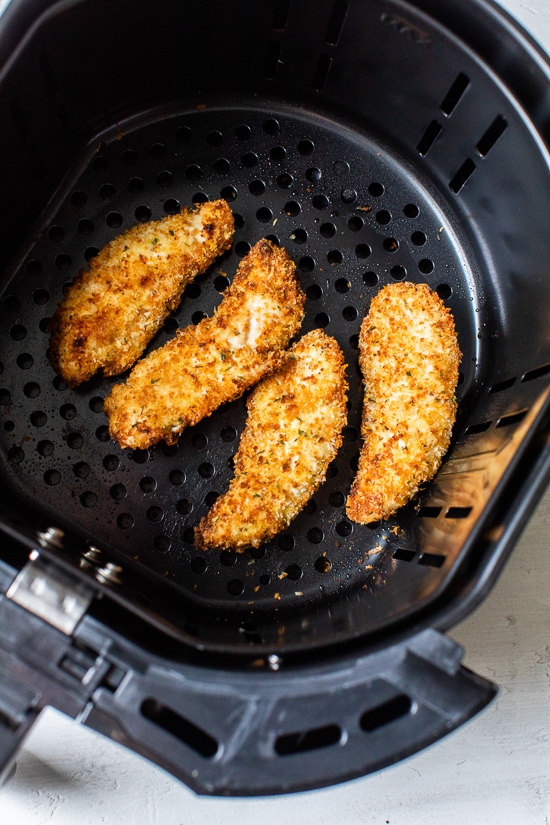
<point x="178" y="726"/>
<point x="309" y="740"/>
<point x="384" y="714"/>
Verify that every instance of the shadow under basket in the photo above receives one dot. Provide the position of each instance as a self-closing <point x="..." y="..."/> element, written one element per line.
<point x="377" y="142"/>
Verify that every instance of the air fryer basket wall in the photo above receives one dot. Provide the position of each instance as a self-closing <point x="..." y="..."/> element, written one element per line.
<point x="376" y="141"/>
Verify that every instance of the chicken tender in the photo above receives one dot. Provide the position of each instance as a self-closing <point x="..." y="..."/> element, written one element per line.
<point x="293" y="432"/>
<point x="205" y="365"/>
<point x="114" y="308"/>
<point x="409" y="357"/>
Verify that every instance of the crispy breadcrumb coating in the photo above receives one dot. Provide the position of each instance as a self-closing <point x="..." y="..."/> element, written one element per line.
<point x="211" y="363"/>
<point x="113" y="309"/>
<point x="409" y="357"/>
<point x="293" y="432"/>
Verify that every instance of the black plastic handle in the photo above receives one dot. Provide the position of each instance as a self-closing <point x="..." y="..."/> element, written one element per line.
<point x="256" y="733"/>
<point x="17" y="715"/>
<point x="271" y="728"/>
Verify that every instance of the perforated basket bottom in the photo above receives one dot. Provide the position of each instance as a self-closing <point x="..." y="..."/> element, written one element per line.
<point x="351" y="215"/>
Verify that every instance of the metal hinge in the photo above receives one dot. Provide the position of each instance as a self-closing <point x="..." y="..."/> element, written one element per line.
<point x="51" y="593"/>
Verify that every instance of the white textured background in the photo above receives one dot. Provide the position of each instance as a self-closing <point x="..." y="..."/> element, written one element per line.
<point x="493" y="771"/>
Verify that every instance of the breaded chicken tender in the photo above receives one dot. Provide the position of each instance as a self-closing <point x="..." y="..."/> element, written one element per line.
<point x="211" y="363"/>
<point x="293" y="432"/>
<point x="409" y="357"/>
<point x="113" y="309"/>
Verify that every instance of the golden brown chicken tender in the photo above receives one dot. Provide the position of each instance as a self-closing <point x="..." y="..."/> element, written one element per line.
<point x="211" y="363"/>
<point x="292" y="433"/>
<point x="409" y="357"/>
<point x="113" y="309"/>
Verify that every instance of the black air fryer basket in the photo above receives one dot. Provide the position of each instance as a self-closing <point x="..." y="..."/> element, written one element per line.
<point x="377" y="141"/>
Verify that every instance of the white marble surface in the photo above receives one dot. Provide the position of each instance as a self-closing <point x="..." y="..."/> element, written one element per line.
<point x="493" y="771"/>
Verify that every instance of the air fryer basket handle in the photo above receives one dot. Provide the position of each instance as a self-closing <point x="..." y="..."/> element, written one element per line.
<point x="235" y="734"/>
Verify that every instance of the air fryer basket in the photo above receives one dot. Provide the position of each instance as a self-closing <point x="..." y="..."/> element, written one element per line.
<point x="377" y="141"/>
